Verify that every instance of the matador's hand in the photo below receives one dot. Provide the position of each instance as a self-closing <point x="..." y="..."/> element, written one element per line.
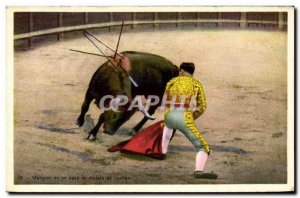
<point x="196" y="114"/>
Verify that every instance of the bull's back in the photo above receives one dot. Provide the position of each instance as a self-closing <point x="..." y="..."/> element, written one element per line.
<point x="150" y="71"/>
<point x="149" y="60"/>
<point x="145" y="63"/>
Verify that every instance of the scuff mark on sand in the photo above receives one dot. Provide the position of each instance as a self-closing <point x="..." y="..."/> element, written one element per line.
<point x="230" y="150"/>
<point x="48" y="112"/>
<point x="214" y="148"/>
<point x="82" y="155"/>
<point x="86" y="156"/>
<point x="70" y="84"/>
<point x="56" y="129"/>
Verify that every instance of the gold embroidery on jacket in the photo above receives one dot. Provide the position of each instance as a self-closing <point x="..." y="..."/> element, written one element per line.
<point x="187" y="87"/>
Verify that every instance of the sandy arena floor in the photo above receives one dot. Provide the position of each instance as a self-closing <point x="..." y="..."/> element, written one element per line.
<point x="245" y="77"/>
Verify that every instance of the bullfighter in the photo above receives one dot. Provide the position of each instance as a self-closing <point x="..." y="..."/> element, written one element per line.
<point x="186" y="101"/>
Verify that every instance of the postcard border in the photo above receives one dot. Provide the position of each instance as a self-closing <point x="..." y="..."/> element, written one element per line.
<point x="11" y="187"/>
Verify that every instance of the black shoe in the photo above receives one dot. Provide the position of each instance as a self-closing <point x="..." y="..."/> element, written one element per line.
<point x="164" y="156"/>
<point x="204" y="175"/>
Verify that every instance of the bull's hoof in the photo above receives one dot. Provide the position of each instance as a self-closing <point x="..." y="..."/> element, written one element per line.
<point x="90" y="137"/>
<point x="80" y="122"/>
<point x="132" y="132"/>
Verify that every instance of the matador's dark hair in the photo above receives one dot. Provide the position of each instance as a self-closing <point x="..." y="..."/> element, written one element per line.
<point x="188" y="67"/>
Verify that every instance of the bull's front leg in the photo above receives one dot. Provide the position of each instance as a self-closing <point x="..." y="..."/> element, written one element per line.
<point x="93" y="133"/>
<point x="84" y="108"/>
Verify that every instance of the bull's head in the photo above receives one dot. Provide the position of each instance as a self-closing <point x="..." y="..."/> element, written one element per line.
<point x="118" y="83"/>
<point x="115" y="83"/>
<point x="113" y="120"/>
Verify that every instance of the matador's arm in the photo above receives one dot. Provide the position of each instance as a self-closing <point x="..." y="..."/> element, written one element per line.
<point x="167" y="89"/>
<point x="201" y="102"/>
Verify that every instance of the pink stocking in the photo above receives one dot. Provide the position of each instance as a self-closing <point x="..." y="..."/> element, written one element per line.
<point x="167" y="134"/>
<point x="201" y="158"/>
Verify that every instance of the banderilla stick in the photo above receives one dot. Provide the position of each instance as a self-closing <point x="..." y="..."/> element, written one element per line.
<point x="130" y="78"/>
<point x="119" y="40"/>
<point x="89" y="53"/>
<point x="98" y="49"/>
<point x="85" y="31"/>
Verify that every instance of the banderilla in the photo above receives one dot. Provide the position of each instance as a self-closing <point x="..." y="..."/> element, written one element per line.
<point x="83" y="52"/>
<point x="130" y="78"/>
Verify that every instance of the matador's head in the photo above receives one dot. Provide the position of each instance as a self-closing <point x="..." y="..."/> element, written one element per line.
<point x="187" y="68"/>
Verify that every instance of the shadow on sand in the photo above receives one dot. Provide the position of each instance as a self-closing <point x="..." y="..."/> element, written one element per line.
<point x="215" y="148"/>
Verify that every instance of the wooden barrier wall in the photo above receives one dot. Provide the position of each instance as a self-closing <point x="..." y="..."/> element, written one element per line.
<point x="29" y="25"/>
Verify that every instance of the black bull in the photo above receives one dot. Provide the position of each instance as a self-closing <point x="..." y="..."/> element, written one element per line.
<point x="151" y="73"/>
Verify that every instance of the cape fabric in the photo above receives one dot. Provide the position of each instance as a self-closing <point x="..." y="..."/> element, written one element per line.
<point x="147" y="142"/>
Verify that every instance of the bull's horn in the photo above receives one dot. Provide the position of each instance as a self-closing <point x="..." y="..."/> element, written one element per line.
<point x="145" y="112"/>
<point x="147" y="115"/>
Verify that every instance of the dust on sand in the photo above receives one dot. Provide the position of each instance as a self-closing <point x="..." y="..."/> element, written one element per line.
<point x="245" y="77"/>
